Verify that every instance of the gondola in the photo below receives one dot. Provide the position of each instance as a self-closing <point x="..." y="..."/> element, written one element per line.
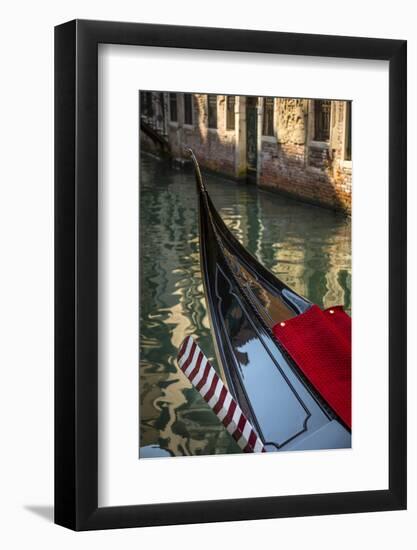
<point x="246" y="303"/>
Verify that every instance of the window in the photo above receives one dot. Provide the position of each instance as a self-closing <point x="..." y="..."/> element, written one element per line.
<point x="268" y="122"/>
<point x="212" y="111"/>
<point x="322" y="109"/>
<point x="188" y="109"/>
<point x="230" y="112"/>
<point x="348" y="131"/>
<point x="173" y="111"/>
<point x="146" y="103"/>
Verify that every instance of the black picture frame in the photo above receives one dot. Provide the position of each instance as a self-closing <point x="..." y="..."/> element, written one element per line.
<point x="76" y="272"/>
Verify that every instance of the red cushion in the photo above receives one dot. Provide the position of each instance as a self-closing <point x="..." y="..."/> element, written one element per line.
<point x="320" y="344"/>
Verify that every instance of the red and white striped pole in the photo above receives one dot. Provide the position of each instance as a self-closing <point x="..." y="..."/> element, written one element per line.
<point x="194" y="364"/>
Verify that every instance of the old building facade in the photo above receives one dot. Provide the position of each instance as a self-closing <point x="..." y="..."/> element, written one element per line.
<point x="300" y="147"/>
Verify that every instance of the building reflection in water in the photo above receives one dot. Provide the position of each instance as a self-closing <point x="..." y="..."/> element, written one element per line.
<point x="309" y="248"/>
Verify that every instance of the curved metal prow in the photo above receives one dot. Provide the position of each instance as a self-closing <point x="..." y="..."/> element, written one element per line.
<point x="198" y="177"/>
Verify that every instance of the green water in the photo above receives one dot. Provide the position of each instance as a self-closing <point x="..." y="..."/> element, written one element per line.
<point x="309" y="248"/>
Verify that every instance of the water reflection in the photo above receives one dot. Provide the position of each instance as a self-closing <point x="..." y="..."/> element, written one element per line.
<point x="307" y="247"/>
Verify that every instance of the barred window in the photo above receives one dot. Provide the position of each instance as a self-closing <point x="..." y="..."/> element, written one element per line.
<point x="230" y="112"/>
<point x="188" y="109"/>
<point x="212" y="111"/>
<point x="268" y="121"/>
<point x="173" y="110"/>
<point x="348" y="130"/>
<point x="322" y="109"/>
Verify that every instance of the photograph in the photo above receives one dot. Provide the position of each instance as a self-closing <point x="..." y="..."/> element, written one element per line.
<point x="245" y="274"/>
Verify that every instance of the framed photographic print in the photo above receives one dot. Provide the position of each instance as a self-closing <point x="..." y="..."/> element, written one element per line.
<point x="230" y="275"/>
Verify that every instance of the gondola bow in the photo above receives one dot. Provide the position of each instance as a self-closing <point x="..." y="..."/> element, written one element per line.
<point x="247" y="305"/>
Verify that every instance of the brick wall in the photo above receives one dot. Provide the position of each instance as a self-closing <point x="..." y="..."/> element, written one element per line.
<point x="289" y="162"/>
<point x="292" y="164"/>
<point x="215" y="149"/>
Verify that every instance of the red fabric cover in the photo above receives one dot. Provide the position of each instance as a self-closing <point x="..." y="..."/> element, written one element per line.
<point x="320" y="344"/>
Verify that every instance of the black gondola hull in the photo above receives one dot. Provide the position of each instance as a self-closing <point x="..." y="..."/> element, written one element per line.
<point x="280" y="403"/>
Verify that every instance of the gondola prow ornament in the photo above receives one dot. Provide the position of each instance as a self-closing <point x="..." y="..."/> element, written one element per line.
<point x="196" y="367"/>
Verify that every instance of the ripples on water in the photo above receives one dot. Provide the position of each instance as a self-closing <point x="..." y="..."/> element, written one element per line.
<point x="309" y="248"/>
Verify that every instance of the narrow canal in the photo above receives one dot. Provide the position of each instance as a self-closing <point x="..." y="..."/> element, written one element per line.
<point x="309" y="248"/>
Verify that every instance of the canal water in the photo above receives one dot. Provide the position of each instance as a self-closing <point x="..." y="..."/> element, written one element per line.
<point x="309" y="248"/>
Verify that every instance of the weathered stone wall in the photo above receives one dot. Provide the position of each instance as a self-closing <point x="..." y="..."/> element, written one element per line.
<point x="341" y="171"/>
<point x="215" y="149"/>
<point x="293" y="165"/>
<point x="289" y="162"/>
